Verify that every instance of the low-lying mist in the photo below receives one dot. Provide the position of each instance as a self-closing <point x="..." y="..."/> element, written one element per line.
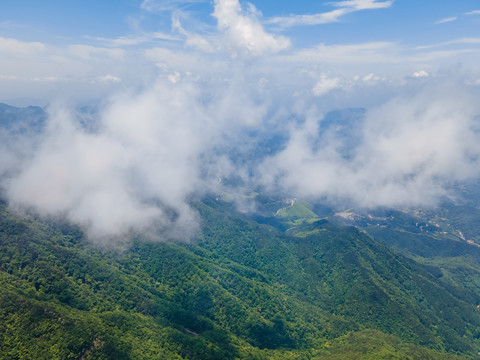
<point x="135" y="168"/>
<point x="236" y="103"/>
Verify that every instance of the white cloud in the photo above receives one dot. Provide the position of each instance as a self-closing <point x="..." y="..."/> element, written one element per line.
<point x="447" y="20"/>
<point x="137" y="172"/>
<point x="461" y="41"/>
<point x="109" y="79"/>
<point x="443" y="56"/>
<point x="353" y="53"/>
<point x="137" y="39"/>
<point x="199" y="42"/>
<point x="363" y="4"/>
<point x="43" y="72"/>
<point x="243" y="31"/>
<point x="325" y="85"/>
<point x="8" y="77"/>
<point x="165" y="5"/>
<point x="192" y="40"/>
<point x="346" y="7"/>
<point x="420" y="74"/>
<point x="371" y="79"/>
<point x="474" y="12"/>
<point x="128" y="177"/>
<point x="90" y="52"/>
<point x="315" y="19"/>
<point x="169" y="61"/>
<point x="47" y="79"/>
<point x="174" y="78"/>
<point x="17" y="47"/>
<point x="354" y="58"/>
<point x="404" y="153"/>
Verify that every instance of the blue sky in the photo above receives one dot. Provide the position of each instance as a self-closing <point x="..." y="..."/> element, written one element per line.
<point x="407" y="21"/>
<point x="55" y="41"/>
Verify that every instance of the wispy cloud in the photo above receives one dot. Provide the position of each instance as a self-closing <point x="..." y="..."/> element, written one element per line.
<point x="466" y="41"/>
<point x="137" y="39"/>
<point x="373" y="52"/>
<point x="384" y="55"/>
<point x="8" y="77"/>
<point x="455" y="18"/>
<point x="89" y="52"/>
<point x="109" y="79"/>
<point x="345" y="7"/>
<point x="447" y="20"/>
<point x="315" y="19"/>
<point x="474" y="12"/>
<point x="363" y="4"/>
<point x="194" y="40"/>
<point x="14" y="46"/>
<point x="166" y="5"/>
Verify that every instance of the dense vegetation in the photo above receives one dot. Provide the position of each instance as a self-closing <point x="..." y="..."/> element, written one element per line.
<point x="242" y="290"/>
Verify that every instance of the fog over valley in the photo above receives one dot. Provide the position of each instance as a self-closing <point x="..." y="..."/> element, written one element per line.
<point x="138" y="125"/>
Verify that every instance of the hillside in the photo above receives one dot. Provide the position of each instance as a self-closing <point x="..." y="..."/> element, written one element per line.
<point x="241" y="290"/>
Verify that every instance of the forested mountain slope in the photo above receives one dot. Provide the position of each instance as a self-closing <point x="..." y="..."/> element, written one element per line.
<point x="241" y="290"/>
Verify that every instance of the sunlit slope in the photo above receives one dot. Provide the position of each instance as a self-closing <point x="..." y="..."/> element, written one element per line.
<point x="243" y="291"/>
<point x="347" y="273"/>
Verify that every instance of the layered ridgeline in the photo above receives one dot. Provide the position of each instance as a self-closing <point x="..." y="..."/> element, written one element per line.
<point x="241" y="290"/>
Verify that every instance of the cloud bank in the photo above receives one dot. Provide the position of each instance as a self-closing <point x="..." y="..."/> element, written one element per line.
<point x="404" y="152"/>
<point x="151" y="152"/>
<point x="173" y="124"/>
